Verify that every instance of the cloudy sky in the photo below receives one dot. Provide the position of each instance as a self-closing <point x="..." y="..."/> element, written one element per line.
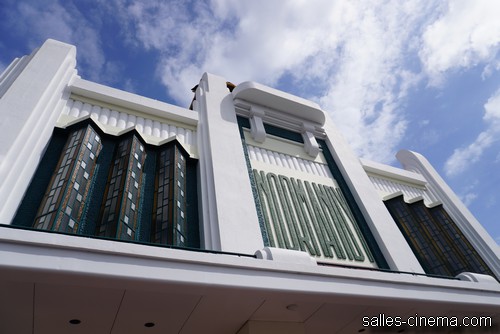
<point x="420" y="75"/>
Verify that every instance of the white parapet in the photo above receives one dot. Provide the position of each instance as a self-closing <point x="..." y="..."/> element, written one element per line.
<point x="39" y="92"/>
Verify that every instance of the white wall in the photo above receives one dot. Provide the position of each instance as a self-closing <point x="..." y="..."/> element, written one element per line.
<point x="230" y="221"/>
<point x="29" y="109"/>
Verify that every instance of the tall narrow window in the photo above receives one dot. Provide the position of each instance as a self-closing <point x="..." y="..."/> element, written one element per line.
<point x="169" y="219"/>
<point x="63" y="204"/>
<point x="437" y="242"/>
<point x="119" y="212"/>
<point x="117" y="187"/>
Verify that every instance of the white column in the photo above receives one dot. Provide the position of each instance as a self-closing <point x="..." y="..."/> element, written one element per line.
<point x="29" y="110"/>
<point x="230" y="221"/>
<point x="390" y="240"/>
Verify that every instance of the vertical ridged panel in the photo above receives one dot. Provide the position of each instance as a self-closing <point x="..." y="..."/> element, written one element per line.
<point x="172" y="131"/>
<point x="148" y="127"/>
<point x="189" y="137"/>
<point x="139" y="124"/>
<point x="104" y="116"/>
<point x="113" y="118"/>
<point x="75" y="109"/>
<point x="392" y="186"/>
<point x="288" y="161"/>
<point x="131" y="121"/>
<point x="86" y="109"/>
<point x="122" y="120"/>
<point x="164" y="131"/>
<point x="181" y="134"/>
<point x="96" y="111"/>
<point x="67" y="107"/>
<point x="156" y="129"/>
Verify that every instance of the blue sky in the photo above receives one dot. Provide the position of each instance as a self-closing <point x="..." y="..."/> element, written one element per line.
<point x="420" y="75"/>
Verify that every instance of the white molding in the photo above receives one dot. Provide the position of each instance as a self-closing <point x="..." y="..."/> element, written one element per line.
<point x="386" y="186"/>
<point x="285" y="256"/>
<point x="392" y="195"/>
<point x="415" y="199"/>
<point x="259" y="114"/>
<point x="389" y="180"/>
<point x="480" y="278"/>
<point x="116" y="123"/>
<point x="57" y="255"/>
<point x="304" y="168"/>
<point x="282" y="145"/>
<point x="277" y="118"/>
<point x="289" y="105"/>
<point x="12" y="71"/>
<point x="393" y="173"/>
<point x="137" y="103"/>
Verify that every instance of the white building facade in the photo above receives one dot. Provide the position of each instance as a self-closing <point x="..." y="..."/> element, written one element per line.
<point x="246" y="213"/>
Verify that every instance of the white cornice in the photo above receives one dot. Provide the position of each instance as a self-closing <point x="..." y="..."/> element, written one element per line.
<point x="286" y="104"/>
<point x="116" y="97"/>
<point x="390" y="172"/>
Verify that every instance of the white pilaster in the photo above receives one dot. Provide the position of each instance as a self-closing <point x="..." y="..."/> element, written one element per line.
<point x="230" y="221"/>
<point x="29" y="109"/>
<point x="391" y="242"/>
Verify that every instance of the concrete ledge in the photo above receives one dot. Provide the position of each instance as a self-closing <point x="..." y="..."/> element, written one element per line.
<point x="116" y="97"/>
<point x="285" y="256"/>
<point x="479" y="278"/>
<point x="289" y="104"/>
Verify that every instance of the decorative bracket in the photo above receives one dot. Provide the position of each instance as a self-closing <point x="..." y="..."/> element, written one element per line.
<point x="257" y="129"/>
<point x="311" y="146"/>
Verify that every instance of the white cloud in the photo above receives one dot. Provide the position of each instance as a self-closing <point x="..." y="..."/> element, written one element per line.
<point x="492" y="109"/>
<point x="468" y="198"/>
<point x="490" y="68"/>
<point x="348" y="56"/>
<point x="469" y="194"/>
<point x="38" y="21"/>
<point x="463" y="157"/>
<point x="467" y="34"/>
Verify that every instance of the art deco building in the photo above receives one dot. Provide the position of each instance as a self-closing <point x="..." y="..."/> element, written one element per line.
<point x="245" y="213"/>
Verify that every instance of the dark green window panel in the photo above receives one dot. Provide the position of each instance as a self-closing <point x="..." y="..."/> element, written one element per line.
<point x="62" y="206"/>
<point x="119" y="217"/>
<point x="170" y="218"/>
<point x="99" y="185"/>
<point x="438" y="244"/>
